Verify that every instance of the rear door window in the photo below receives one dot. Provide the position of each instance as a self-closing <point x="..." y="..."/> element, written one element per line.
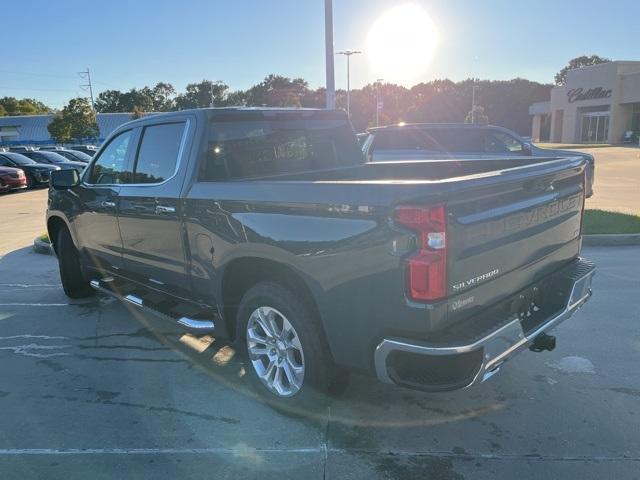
<point x="158" y="152"/>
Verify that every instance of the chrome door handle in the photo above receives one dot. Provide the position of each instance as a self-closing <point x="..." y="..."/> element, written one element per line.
<point x="164" y="209"/>
<point x="107" y="204"/>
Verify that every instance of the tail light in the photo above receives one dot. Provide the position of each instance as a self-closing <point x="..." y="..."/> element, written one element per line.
<point x="426" y="271"/>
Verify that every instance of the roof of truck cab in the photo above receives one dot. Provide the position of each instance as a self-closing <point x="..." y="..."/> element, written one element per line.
<point x="238" y="113"/>
<point x="399" y="126"/>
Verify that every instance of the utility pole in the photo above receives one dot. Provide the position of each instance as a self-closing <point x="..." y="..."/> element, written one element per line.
<point x="348" y="53"/>
<point x="87" y="75"/>
<point x="211" y="93"/>
<point x="328" y="42"/>
<point x="378" y="104"/>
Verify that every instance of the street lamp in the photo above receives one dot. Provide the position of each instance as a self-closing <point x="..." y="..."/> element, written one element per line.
<point x="348" y="53"/>
<point x="378" y="104"/>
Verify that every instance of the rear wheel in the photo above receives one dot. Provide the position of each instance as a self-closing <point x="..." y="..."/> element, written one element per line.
<point x="288" y="360"/>
<point x="73" y="281"/>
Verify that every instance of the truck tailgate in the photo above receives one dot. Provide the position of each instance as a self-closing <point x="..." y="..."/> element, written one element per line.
<point x="518" y="229"/>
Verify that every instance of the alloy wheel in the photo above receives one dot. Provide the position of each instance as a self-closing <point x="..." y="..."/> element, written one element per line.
<point x="275" y="351"/>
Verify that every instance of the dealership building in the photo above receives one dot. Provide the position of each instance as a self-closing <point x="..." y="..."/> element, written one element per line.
<point x="598" y="104"/>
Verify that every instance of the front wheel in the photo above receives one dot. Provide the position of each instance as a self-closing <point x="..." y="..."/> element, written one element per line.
<point x="288" y="360"/>
<point x="73" y="281"/>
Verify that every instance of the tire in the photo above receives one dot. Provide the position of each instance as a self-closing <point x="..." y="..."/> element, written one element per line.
<point x="310" y="390"/>
<point x="30" y="181"/>
<point x="73" y="281"/>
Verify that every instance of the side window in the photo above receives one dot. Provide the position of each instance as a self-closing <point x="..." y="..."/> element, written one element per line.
<point x="498" y="142"/>
<point x="4" y="162"/>
<point x="109" y="166"/>
<point x="158" y="153"/>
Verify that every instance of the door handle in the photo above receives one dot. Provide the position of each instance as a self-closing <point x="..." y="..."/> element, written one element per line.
<point x="164" y="209"/>
<point x="107" y="204"/>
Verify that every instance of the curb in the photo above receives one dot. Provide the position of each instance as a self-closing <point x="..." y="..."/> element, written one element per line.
<point x="42" y="247"/>
<point x="611" y="240"/>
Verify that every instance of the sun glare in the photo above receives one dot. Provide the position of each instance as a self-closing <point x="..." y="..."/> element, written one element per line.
<point x="401" y="43"/>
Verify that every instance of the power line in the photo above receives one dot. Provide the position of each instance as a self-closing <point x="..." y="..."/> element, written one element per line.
<point x="87" y="75"/>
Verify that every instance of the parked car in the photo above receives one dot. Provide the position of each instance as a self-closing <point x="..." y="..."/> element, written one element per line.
<point x="37" y="173"/>
<point x="459" y="141"/>
<point x="22" y="148"/>
<point x="88" y="149"/>
<point x="12" y="179"/>
<point x="53" y="158"/>
<point x="268" y="228"/>
<point x="74" y="155"/>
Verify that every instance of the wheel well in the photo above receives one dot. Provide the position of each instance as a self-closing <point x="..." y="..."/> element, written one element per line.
<point x="243" y="273"/>
<point x="54" y="224"/>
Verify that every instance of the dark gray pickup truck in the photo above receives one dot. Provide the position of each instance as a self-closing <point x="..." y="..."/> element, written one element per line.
<point x="269" y="228"/>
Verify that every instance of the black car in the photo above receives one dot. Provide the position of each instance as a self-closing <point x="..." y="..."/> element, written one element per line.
<point x="74" y="155"/>
<point x="53" y="158"/>
<point x="36" y="173"/>
<point x="87" y="149"/>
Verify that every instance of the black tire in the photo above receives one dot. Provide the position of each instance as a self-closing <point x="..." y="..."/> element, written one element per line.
<point x="30" y="181"/>
<point x="319" y="370"/>
<point x="73" y="281"/>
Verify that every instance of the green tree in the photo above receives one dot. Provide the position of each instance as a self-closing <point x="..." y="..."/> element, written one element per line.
<point x="277" y="91"/>
<point x="137" y="113"/>
<point x="76" y="122"/>
<point x="156" y="99"/>
<point x="24" y="106"/>
<point x="578" y="62"/>
<point x="477" y="116"/>
<point x="203" y="94"/>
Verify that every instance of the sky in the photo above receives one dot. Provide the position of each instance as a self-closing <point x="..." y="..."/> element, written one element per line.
<point x="131" y="43"/>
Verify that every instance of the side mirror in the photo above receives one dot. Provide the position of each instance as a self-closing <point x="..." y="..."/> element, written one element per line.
<point x="64" y="179"/>
<point x="526" y="148"/>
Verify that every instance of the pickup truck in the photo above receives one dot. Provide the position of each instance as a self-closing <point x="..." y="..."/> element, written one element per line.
<point x="460" y="142"/>
<point x="268" y="227"/>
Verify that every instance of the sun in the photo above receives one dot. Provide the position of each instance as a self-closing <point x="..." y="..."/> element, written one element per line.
<point x="401" y="43"/>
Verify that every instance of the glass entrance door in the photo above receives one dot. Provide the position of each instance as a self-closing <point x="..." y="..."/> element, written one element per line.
<point x="595" y="127"/>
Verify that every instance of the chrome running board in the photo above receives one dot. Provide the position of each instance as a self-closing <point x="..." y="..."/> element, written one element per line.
<point x="109" y="286"/>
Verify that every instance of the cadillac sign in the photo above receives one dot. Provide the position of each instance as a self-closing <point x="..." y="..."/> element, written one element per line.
<point x="579" y="94"/>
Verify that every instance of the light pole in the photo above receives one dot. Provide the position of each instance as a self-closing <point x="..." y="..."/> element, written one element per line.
<point x="378" y="105"/>
<point x="348" y="53"/>
<point x="328" y="47"/>
<point x="473" y="103"/>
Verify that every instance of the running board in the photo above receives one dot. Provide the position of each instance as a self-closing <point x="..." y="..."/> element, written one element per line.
<point x="107" y="285"/>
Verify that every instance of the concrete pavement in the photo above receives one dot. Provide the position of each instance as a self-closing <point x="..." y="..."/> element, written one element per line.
<point x="23" y="218"/>
<point x="94" y="389"/>
<point x="617" y="181"/>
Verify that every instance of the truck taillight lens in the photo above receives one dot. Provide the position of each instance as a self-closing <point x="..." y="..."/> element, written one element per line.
<point x="426" y="270"/>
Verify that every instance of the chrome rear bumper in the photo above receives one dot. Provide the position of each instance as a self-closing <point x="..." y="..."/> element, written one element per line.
<point x="496" y="347"/>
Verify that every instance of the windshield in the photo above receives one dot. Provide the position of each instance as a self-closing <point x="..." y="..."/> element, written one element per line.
<point x="80" y="155"/>
<point x="19" y="159"/>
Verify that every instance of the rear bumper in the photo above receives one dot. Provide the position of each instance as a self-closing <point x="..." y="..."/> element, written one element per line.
<point x="440" y="367"/>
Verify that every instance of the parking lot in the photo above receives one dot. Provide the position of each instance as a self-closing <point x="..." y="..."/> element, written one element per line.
<point x="94" y="389"/>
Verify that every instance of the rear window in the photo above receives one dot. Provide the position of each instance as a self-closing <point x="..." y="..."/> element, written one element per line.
<point x="245" y="149"/>
<point x="430" y="140"/>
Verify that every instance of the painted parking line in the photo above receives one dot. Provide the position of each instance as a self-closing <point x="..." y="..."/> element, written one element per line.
<point x="38" y="304"/>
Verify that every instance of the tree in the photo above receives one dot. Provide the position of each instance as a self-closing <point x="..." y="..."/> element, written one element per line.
<point x="277" y="91"/>
<point x="76" y="122"/>
<point x="578" y="62"/>
<point x="156" y="99"/>
<point x="24" y="106"/>
<point x="137" y="113"/>
<point x="477" y="116"/>
<point x="203" y="94"/>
